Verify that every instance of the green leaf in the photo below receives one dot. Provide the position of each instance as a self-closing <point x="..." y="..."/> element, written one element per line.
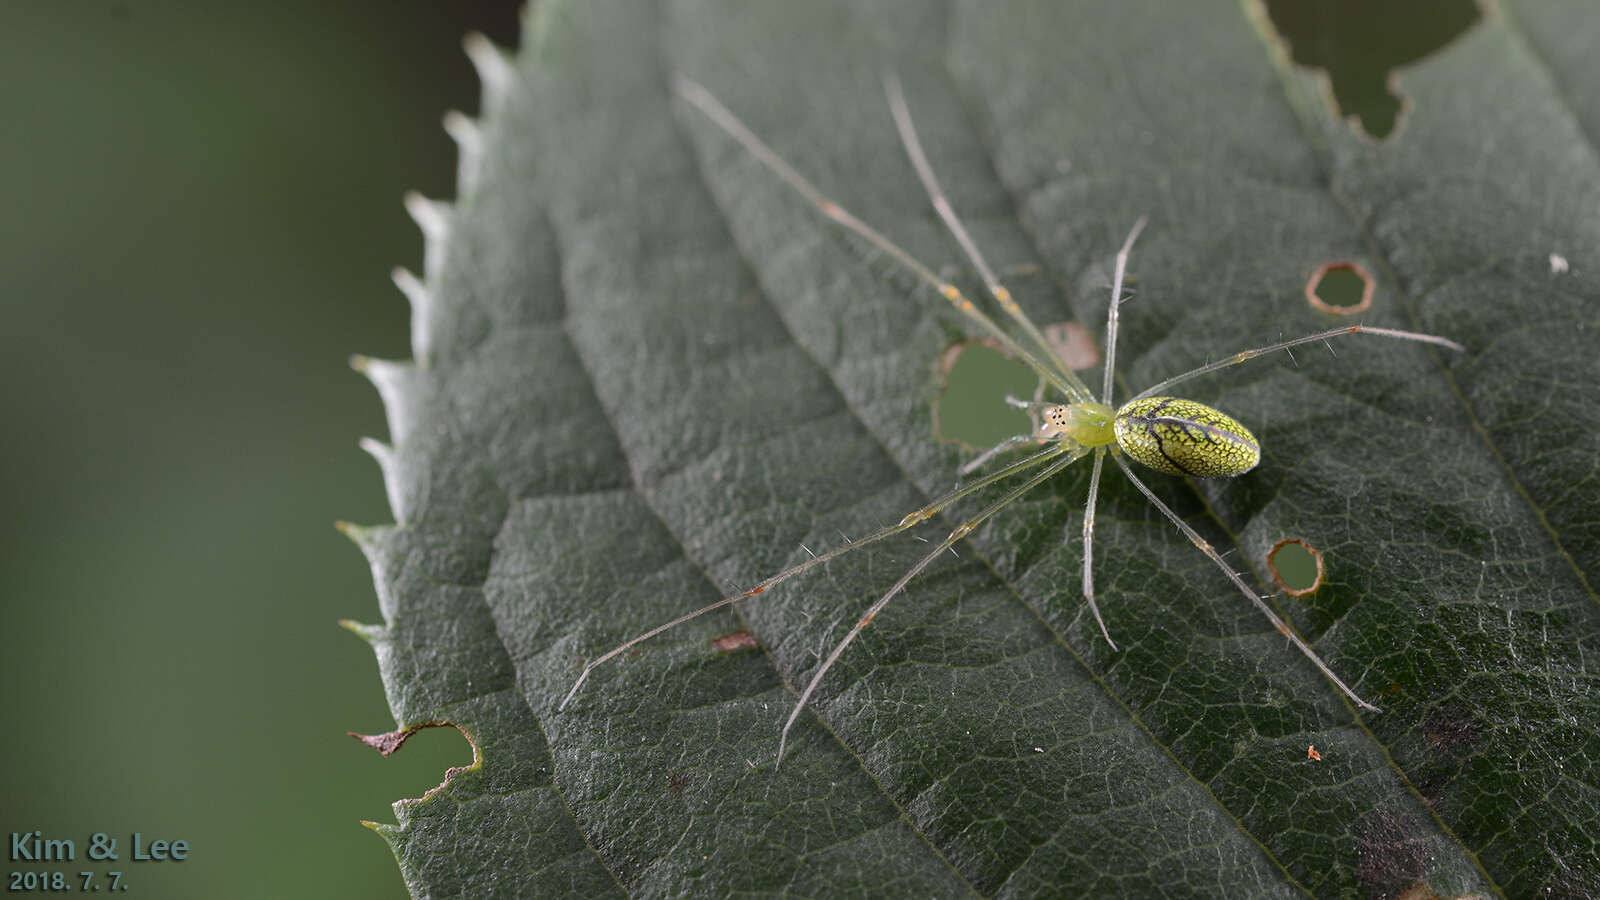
<point x="648" y="374"/>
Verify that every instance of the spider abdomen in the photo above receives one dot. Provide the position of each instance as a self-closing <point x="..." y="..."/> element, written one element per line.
<point x="1182" y="437"/>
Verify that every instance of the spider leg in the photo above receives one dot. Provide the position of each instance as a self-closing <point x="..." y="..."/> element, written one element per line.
<point x="703" y="100"/>
<point x="1088" y="544"/>
<point x="1209" y="551"/>
<point x="817" y="559"/>
<point x="1116" y="301"/>
<point x="1016" y="440"/>
<point x="1252" y="353"/>
<point x="1029" y="405"/>
<point x="1072" y="453"/>
<point x="947" y="213"/>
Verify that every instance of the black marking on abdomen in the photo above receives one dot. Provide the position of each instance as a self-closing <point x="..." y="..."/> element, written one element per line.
<point x="1211" y="434"/>
<point x="1155" y="418"/>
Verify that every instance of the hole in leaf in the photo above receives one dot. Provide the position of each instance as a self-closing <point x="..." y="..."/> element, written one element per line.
<point x="971" y="409"/>
<point x="430" y="747"/>
<point x="1342" y="288"/>
<point x="1296" y="566"/>
<point x="1359" y="44"/>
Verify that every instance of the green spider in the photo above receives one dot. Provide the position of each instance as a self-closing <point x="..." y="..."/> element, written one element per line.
<point x="1167" y="434"/>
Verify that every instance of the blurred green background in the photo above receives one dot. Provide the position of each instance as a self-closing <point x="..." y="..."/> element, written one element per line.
<point x="201" y="209"/>
<point x="202" y="204"/>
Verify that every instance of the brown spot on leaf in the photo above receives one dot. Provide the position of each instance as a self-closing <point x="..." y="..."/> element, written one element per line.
<point x="390" y="741"/>
<point x="735" y="640"/>
<point x="1390" y="859"/>
<point x="1074" y="344"/>
<point x="1449" y="730"/>
<point x="677" y="780"/>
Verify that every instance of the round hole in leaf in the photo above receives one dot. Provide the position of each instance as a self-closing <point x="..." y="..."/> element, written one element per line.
<point x="1342" y="288"/>
<point x="1296" y="566"/>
